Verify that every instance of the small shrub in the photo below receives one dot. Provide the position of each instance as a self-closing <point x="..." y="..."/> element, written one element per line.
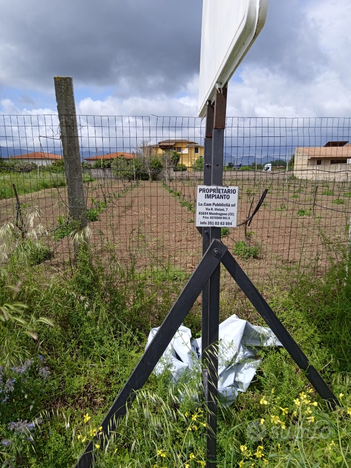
<point x="92" y="214"/>
<point x="31" y="252"/>
<point x="282" y="207"/>
<point x="245" y="251"/>
<point x="224" y="232"/>
<point x="246" y="168"/>
<point x="64" y="229"/>
<point x="180" y="168"/>
<point x="303" y="212"/>
<point x="338" y="201"/>
<point x="327" y="192"/>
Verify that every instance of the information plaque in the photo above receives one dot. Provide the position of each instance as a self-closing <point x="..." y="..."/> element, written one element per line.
<point x="216" y="206"/>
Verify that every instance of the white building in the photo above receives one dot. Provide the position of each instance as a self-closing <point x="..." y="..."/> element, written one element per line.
<point x="329" y="162"/>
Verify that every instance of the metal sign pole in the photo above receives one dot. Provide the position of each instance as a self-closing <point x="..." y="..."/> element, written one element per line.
<point x="213" y="175"/>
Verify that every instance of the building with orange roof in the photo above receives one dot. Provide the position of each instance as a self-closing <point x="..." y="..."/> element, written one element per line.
<point x="109" y="156"/>
<point x="38" y="157"/>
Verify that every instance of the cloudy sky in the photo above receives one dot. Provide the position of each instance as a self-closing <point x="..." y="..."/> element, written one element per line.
<point x="141" y="57"/>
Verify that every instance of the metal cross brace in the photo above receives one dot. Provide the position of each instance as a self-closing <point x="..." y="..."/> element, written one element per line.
<point x="216" y="253"/>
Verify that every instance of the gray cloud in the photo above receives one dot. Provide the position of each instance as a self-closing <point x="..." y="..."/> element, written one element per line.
<point x="142" y="57"/>
<point x="289" y="42"/>
<point x="143" y="46"/>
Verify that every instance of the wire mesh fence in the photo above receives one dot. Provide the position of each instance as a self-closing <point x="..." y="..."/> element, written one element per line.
<point x="140" y="176"/>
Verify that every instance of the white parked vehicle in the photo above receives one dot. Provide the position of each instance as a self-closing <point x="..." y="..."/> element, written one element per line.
<point x="267" y="167"/>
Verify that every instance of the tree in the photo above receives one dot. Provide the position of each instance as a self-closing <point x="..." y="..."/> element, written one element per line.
<point x="156" y="166"/>
<point x="292" y="162"/>
<point x="278" y="162"/>
<point x="199" y="164"/>
<point x="169" y="160"/>
<point x="127" y="168"/>
<point x="145" y="153"/>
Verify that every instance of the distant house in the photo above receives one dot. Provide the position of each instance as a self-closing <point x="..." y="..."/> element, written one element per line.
<point x="329" y="162"/>
<point x="39" y="158"/>
<point x="189" y="150"/>
<point x="109" y="156"/>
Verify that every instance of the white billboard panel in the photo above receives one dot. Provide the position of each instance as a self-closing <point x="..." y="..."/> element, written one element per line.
<point x="229" y="28"/>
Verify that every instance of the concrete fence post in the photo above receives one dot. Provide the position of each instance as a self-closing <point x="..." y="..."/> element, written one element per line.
<point x="70" y="145"/>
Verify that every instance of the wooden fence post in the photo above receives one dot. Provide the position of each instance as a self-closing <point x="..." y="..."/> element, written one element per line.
<point x="70" y="145"/>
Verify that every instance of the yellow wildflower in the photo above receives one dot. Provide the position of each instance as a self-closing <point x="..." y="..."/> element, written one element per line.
<point x="262" y="421"/>
<point x="297" y="402"/>
<point x="84" y="439"/>
<point x="97" y="446"/>
<point x="331" y="445"/>
<point x="263" y="401"/>
<point x="349" y="411"/>
<point x="341" y="395"/>
<point x="315" y="403"/>
<point x="161" y="453"/>
<point x="191" y="456"/>
<point x="186" y="414"/>
<point x="186" y="465"/>
<point x="241" y="463"/>
<point x="284" y="410"/>
<point x="195" y="428"/>
<point x="194" y="417"/>
<point x="86" y="418"/>
<point x="202" y="463"/>
<point x="259" y="452"/>
<point x="243" y="448"/>
<point x="275" y="419"/>
<point x="79" y="437"/>
<point x="310" y="419"/>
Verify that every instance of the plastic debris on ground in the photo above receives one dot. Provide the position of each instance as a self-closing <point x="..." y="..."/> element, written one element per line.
<point x="237" y="359"/>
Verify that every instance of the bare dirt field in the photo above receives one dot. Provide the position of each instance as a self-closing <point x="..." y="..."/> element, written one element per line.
<point x="299" y="222"/>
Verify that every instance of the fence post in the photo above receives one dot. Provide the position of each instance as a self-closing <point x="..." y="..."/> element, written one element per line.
<point x="70" y="145"/>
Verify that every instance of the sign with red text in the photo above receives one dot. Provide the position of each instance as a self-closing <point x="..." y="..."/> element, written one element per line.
<point x="216" y="206"/>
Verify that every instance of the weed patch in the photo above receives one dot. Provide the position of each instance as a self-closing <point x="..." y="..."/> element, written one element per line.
<point x="245" y="251"/>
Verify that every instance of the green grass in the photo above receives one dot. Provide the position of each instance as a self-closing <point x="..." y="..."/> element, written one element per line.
<point x="29" y="182"/>
<point x="55" y="390"/>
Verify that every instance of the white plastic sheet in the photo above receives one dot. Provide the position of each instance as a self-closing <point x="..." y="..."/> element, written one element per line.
<point x="237" y="359"/>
